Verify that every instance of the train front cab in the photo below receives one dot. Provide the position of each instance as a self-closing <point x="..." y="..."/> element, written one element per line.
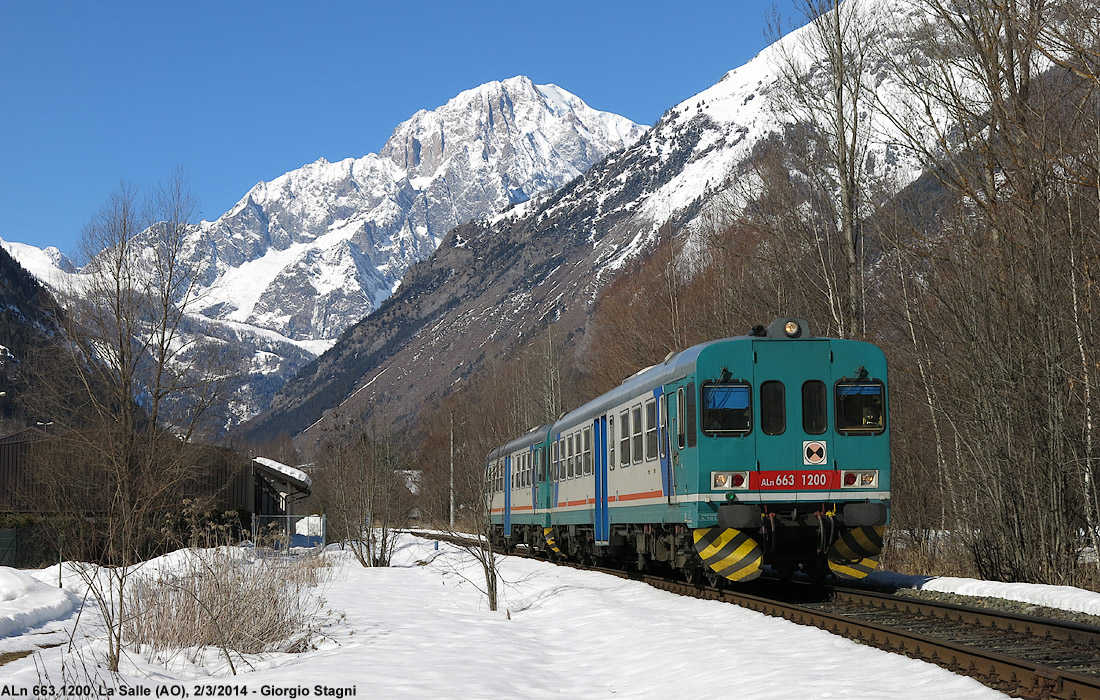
<point x="792" y="456"/>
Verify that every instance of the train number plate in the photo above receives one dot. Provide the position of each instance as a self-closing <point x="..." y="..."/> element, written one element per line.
<point x="794" y="480"/>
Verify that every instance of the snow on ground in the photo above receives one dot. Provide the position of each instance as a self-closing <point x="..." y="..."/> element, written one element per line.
<point x="422" y="629"/>
<point x="27" y="602"/>
<point x="1063" y="597"/>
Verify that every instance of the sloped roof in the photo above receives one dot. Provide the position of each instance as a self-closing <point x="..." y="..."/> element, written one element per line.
<point x="295" y="478"/>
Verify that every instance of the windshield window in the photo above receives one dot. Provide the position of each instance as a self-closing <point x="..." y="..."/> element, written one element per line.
<point x="726" y="408"/>
<point x="859" y="407"/>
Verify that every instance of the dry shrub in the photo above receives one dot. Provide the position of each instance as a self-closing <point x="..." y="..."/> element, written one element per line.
<point x="230" y="600"/>
<point x="923" y="552"/>
<point x="1087" y="577"/>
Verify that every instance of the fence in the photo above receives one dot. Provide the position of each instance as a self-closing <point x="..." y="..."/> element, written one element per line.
<point x="286" y="531"/>
<point x="9" y="547"/>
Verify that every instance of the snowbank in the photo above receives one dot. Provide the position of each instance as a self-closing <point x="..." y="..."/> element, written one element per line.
<point x="26" y="602"/>
<point x="1063" y="597"/>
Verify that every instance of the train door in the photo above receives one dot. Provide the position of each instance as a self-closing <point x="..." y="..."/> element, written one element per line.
<point x="663" y="454"/>
<point x="508" y="496"/>
<point x="785" y="440"/>
<point x="544" y="483"/>
<point x="674" y="395"/>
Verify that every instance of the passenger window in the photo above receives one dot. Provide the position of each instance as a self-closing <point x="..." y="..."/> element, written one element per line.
<point x="569" y="445"/>
<point x="773" y="408"/>
<point x="636" y="424"/>
<point x="689" y="416"/>
<point x="680" y="420"/>
<point x="651" y="430"/>
<point x="664" y="425"/>
<point x="624" y="440"/>
<point x="611" y="442"/>
<point x="588" y="450"/>
<point x="727" y="409"/>
<point x="561" y="459"/>
<point x="859" y="407"/>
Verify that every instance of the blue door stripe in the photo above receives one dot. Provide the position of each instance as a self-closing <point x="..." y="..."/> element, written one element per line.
<point x="603" y="514"/>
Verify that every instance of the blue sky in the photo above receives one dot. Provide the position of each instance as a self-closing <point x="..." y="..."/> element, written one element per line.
<point x="92" y="93"/>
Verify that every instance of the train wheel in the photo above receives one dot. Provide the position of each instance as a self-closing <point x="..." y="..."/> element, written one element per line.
<point x="693" y="575"/>
<point x="714" y="580"/>
<point x="817" y="572"/>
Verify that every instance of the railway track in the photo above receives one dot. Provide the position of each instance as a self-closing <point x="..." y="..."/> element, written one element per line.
<point x="1021" y="655"/>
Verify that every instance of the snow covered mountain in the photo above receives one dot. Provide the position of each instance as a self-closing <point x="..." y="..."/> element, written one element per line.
<point x="27" y="322"/>
<point x="311" y="252"/>
<point x="301" y="258"/>
<point x="551" y="256"/>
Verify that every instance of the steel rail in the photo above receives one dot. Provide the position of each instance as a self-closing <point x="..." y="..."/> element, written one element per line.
<point x="1008" y="674"/>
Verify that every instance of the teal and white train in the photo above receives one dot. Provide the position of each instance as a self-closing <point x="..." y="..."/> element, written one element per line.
<point x="771" y="448"/>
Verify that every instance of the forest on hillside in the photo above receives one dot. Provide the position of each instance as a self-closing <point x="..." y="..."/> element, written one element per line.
<point x="27" y="318"/>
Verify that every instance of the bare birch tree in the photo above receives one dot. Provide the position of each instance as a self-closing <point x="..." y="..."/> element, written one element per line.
<point x="826" y="87"/>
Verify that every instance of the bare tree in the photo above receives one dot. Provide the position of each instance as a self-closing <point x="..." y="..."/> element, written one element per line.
<point x="826" y="85"/>
<point x="365" y="485"/>
<point x="127" y="391"/>
<point x="1002" y="313"/>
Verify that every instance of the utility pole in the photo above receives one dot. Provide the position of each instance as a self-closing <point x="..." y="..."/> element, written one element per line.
<point x="452" y="471"/>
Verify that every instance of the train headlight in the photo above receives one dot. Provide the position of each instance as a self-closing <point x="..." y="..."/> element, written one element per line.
<point x="861" y="479"/>
<point x="792" y="329"/>
<point x="722" y="481"/>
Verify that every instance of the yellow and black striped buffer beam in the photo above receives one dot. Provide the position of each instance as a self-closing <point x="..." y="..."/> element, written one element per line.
<point x="729" y="553"/>
<point x="548" y="533"/>
<point x="855" y="553"/>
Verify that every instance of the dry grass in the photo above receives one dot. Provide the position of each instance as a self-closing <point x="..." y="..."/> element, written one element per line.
<point x="228" y="600"/>
<point x="937" y="553"/>
<point x="926" y="553"/>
